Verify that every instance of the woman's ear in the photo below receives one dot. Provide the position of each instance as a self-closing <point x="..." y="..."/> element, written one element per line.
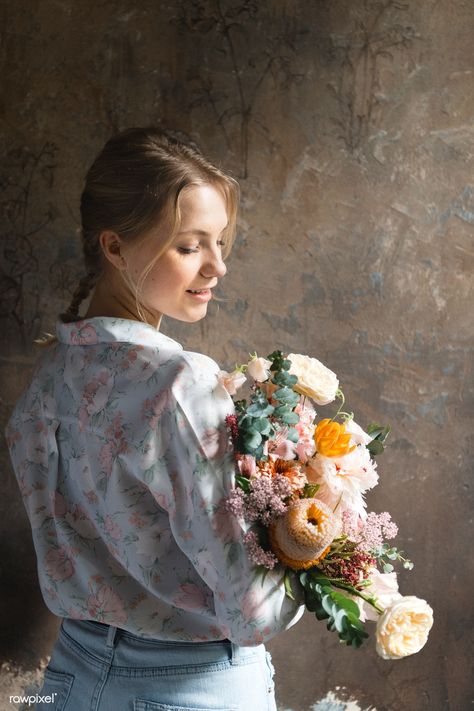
<point x="112" y="248"/>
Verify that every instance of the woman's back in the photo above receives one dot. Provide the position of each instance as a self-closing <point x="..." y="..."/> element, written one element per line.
<point x="121" y="453"/>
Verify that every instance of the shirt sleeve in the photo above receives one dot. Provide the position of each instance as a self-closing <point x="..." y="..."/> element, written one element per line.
<point x="250" y="608"/>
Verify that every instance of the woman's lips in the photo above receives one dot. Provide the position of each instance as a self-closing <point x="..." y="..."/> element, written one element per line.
<point x="203" y="295"/>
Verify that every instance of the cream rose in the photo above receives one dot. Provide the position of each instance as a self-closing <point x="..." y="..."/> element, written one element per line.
<point x="231" y="381"/>
<point x="314" y="379"/>
<point x="259" y="369"/>
<point x="403" y="628"/>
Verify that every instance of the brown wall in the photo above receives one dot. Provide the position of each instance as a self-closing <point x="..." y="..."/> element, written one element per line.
<point x="350" y="126"/>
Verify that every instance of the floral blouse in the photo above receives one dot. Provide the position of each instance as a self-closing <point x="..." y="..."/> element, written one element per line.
<point x="120" y="449"/>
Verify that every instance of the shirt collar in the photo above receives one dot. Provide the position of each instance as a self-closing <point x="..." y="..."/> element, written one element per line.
<point x="108" y="329"/>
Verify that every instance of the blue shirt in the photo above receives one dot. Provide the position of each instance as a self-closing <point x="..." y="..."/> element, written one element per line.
<point x="121" y="452"/>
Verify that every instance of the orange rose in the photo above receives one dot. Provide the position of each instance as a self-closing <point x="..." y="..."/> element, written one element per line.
<point x="331" y="439"/>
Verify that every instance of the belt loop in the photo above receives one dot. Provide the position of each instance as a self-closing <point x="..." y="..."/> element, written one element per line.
<point x="235" y="653"/>
<point x="111" y="633"/>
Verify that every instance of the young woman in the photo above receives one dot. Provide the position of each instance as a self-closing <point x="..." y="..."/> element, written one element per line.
<point x="120" y="449"/>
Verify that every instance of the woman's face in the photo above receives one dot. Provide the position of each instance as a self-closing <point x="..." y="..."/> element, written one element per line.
<point x="193" y="262"/>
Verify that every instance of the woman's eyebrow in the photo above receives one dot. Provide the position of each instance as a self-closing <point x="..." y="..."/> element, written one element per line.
<point x="201" y="233"/>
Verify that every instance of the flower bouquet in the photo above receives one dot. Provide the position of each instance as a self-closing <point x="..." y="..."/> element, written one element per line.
<point x="300" y="484"/>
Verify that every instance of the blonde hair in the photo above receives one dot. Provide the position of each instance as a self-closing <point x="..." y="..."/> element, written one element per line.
<point x="133" y="185"/>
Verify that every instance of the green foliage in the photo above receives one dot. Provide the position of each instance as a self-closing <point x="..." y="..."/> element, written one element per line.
<point x="328" y="603"/>
<point x="310" y="490"/>
<point x="258" y="421"/>
<point x="388" y="553"/>
<point x="379" y="434"/>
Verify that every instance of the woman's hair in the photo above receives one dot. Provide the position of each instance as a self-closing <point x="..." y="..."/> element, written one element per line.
<point x="134" y="185"/>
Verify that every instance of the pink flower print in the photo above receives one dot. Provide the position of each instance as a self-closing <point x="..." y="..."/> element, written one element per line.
<point x="225" y="526"/>
<point x="154" y="408"/>
<point x="252" y="604"/>
<point x="79" y="520"/>
<point x="136" y="520"/>
<point x="104" y="605"/>
<point x="84" y="336"/>
<point x="106" y="458"/>
<point x="58" y="504"/>
<point x="59" y="564"/>
<point x="190" y="597"/>
<point x="74" y="614"/>
<point x="117" y="444"/>
<point x="214" y="442"/>
<point x="51" y="593"/>
<point x="36" y="448"/>
<point x="112" y="528"/>
<point x="12" y="436"/>
<point x="130" y="358"/>
<point x="91" y="496"/>
<point x="94" y="397"/>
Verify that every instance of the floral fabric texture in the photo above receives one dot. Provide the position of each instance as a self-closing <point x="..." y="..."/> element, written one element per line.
<point x="120" y="450"/>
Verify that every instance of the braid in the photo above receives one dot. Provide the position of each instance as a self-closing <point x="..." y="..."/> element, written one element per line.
<point x="85" y="285"/>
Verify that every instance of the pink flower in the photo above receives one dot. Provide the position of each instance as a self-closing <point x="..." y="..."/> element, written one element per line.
<point x="112" y="529"/>
<point x="214" y="442"/>
<point x="104" y="605"/>
<point x="79" y="520"/>
<point x="191" y="597"/>
<point x="281" y="448"/>
<point x="343" y="480"/>
<point x="152" y="410"/>
<point x="58" y="504"/>
<point x="136" y="520"/>
<point x="224" y="526"/>
<point x="231" y="381"/>
<point x="59" y="564"/>
<point x="84" y="336"/>
<point x="247" y="465"/>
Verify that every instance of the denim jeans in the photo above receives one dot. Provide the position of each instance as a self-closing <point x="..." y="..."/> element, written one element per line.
<point x="97" y="667"/>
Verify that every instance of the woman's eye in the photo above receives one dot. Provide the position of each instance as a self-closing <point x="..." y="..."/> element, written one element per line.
<point x="189" y="250"/>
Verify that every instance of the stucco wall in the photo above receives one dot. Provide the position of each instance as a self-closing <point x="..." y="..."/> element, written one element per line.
<point x="350" y="126"/>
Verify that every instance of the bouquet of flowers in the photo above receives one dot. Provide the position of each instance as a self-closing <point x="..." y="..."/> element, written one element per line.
<point x="300" y="484"/>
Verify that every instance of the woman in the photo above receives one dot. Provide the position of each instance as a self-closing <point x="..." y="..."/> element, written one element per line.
<point x="120" y="449"/>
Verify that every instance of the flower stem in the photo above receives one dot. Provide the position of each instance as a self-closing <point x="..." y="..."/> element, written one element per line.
<point x="354" y="591"/>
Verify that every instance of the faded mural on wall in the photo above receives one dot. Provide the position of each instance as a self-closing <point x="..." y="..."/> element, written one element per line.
<point x="349" y="125"/>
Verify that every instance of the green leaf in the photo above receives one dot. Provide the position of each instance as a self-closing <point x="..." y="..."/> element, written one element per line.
<point x="310" y="490"/>
<point x="291" y="418"/>
<point x="375" y="447"/>
<point x="387" y="568"/>
<point x="243" y="482"/>
<point x="251" y="439"/>
<point x="292" y="435"/>
<point x="288" y="588"/>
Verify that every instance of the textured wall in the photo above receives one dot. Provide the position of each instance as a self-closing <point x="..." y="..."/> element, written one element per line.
<point x="350" y="126"/>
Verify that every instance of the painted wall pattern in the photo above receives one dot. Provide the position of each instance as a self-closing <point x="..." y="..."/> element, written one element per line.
<point x="350" y="128"/>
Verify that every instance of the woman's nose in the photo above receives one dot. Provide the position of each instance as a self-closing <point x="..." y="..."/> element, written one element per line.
<point x="214" y="267"/>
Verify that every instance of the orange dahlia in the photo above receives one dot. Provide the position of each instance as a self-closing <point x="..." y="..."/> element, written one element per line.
<point x="289" y="468"/>
<point x="331" y="439"/>
<point x="303" y="535"/>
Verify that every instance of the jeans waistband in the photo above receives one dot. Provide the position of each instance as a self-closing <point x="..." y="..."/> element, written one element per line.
<point x="83" y="631"/>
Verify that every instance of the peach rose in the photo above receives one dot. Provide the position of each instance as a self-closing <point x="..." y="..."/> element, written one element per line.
<point x="403" y="628"/>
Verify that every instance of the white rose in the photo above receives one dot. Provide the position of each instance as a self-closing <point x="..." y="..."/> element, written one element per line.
<point x="403" y="628"/>
<point x="259" y="369"/>
<point x="314" y="379"/>
<point x="358" y="436"/>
